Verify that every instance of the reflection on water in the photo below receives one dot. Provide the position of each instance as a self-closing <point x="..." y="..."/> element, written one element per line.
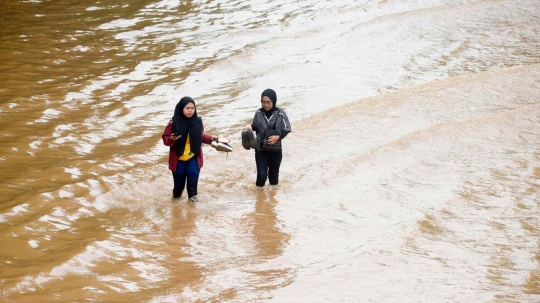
<point x="424" y="189"/>
<point x="181" y="271"/>
<point x="270" y="239"/>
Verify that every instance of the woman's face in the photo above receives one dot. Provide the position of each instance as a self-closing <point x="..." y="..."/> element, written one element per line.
<point x="266" y="103"/>
<point x="189" y="110"/>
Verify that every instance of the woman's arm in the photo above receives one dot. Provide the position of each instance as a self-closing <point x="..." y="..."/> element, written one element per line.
<point x="207" y="139"/>
<point x="286" y="124"/>
<point x="166" y="136"/>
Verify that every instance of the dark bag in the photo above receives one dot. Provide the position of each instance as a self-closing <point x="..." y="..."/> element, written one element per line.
<point x="268" y="133"/>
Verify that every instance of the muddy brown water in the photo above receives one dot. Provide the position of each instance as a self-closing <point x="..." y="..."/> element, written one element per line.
<point x="412" y="173"/>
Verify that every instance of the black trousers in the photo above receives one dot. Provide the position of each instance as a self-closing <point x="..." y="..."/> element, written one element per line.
<point x="268" y="163"/>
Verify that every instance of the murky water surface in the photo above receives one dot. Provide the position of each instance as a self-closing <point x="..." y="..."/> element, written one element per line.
<point x="412" y="173"/>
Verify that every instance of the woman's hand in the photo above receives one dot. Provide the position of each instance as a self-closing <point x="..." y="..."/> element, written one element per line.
<point x="248" y="127"/>
<point x="174" y="137"/>
<point x="273" y="139"/>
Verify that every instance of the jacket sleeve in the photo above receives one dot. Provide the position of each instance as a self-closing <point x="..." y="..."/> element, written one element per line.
<point x="207" y="139"/>
<point x="286" y="125"/>
<point x="255" y="124"/>
<point x="166" y="136"/>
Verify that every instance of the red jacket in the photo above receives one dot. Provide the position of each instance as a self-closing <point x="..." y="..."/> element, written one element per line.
<point x="173" y="157"/>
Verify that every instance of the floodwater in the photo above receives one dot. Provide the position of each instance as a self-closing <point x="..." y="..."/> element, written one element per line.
<point x="412" y="173"/>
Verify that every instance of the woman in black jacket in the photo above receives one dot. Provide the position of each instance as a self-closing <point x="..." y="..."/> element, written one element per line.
<point x="271" y="125"/>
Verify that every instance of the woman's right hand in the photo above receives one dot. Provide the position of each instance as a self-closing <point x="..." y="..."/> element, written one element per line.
<point x="248" y="127"/>
<point x="172" y="137"/>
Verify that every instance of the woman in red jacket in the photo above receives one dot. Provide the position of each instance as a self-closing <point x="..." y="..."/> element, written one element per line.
<point x="185" y="135"/>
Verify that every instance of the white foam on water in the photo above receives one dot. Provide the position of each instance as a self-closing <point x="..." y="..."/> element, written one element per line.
<point x="74" y="171"/>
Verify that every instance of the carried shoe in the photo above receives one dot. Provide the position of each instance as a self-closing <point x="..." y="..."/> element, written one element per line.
<point x="214" y="143"/>
<point x="193" y="199"/>
<point x="248" y="139"/>
<point x="221" y="144"/>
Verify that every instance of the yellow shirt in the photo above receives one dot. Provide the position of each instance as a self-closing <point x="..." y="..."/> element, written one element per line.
<point x="187" y="151"/>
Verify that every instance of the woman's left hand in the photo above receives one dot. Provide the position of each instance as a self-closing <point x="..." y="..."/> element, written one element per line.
<point x="273" y="139"/>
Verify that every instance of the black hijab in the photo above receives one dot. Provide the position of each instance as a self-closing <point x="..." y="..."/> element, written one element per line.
<point x="270" y="93"/>
<point x="183" y="126"/>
